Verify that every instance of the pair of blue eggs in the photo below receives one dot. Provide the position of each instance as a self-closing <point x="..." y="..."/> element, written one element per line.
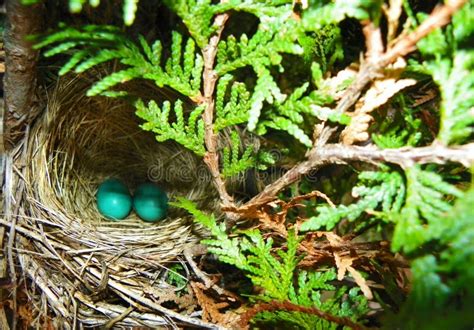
<point x="115" y="202"/>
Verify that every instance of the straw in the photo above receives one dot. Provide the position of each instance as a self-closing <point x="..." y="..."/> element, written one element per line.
<point x="89" y="268"/>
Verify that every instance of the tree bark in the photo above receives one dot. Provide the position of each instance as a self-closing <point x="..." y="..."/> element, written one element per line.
<point x="20" y="62"/>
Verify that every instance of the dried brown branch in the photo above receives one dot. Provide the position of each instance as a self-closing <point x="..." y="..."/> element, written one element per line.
<point x="338" y="153"/>
<point x="438" y="18"/>
<point x="393" y="13"/>
<point x="317" y="251"/>
<point x="288" y="306"/>
<point x="405" y="157"/>
<point x="344" y="263"/>
<point x="375" y="64"/>
<point x="211" y="309"/>
<point x="189" y="253"/>
<point x="276" y="222"/>
<point x="211" y="158"/>
<point x="380" y="91"/>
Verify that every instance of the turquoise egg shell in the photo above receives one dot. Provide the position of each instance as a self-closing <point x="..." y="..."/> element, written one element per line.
<point x="113" y="199"/>
<point x="150" y="202"/>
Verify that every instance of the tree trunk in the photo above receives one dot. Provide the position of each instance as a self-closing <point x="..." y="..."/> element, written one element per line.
<point x="20" y="61"/>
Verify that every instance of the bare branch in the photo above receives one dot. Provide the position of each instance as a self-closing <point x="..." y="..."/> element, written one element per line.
<point x="211" y="158"/>
<point x="338" y="153"/>
<point x="405" y="157"/>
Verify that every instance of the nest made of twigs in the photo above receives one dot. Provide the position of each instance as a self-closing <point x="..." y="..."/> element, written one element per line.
<point x="88" y="268"/>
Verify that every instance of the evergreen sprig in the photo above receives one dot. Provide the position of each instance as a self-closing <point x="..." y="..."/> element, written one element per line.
<point x="97" y="44"/>
<point x="252" y="254"/>
<point x="450" y="60"/>
<point x="190" y="134"/>
<point x="277" y="34"/>
<point x="399" y="129"/>
<point x="344" y="303"/>
<point x="276" y="272"/>
<point x="289" y="115"/>
<point x="235" y="109"/>
<point x="321" y="13"/>
<point x="263" y="49"/>
<point x="197" y="16"/>
<point x="232" y="164"/>
<point x="384" y="190"/>
<point x="442" y="295"/>
<point x="227" y="249"/>
<point x="426" y="204"/>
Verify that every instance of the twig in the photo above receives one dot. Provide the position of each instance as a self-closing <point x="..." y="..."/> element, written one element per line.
<point x="119" y="318"/>
<point x="11" y="234"/>
<point x="405" y="157"/>
<point x="438" y="18"/>
<point x="338" y="153"/>
<point x="211" y="158"/>
<point x="11" y="218"/>
<point x="288" y="306"/>
<point x="188" y="254"/>
<point x="375" y="64"/>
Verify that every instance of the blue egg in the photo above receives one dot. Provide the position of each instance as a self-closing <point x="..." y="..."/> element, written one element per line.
<point x="150" y="202"/>
<point x="113" y="199"/>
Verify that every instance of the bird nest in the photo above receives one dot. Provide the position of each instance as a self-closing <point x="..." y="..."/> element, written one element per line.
<point x="87" y="268"/>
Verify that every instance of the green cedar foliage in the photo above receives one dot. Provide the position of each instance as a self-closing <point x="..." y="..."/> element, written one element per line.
<point x="421" y="218"/>
<point x="232" y="164"/>
<point x="400" y="129"/>
<point x="262" y="105"/>
<point x="276" y="272"/>
<point x="443" y="295"/>
<point x="190" y="135"/>
<point x="449" y="59"/>
<point x="376" y="190"/>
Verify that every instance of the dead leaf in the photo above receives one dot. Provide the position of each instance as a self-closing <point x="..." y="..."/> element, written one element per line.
<point x="185" y="302"/>
<point x="377" y="95"/>
<point x="381" y="91"/>
<point x="211" y="310"/>
<point x="361" y="283"/>
<point x="344" y="265"/>
<point x="333" y="85"/>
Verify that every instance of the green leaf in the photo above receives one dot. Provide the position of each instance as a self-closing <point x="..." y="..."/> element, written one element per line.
<point x="385" y="190"/>
<point x="233" y="110"/>
<point x="426" y="204"/>
<point x="190" y="135"/>
<point x="450" y="61"/>
<point x="96" y="44"/>
<point x="232" y="164"/>
<point x="266" y="89"/>
<point x="228" y="250"/>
